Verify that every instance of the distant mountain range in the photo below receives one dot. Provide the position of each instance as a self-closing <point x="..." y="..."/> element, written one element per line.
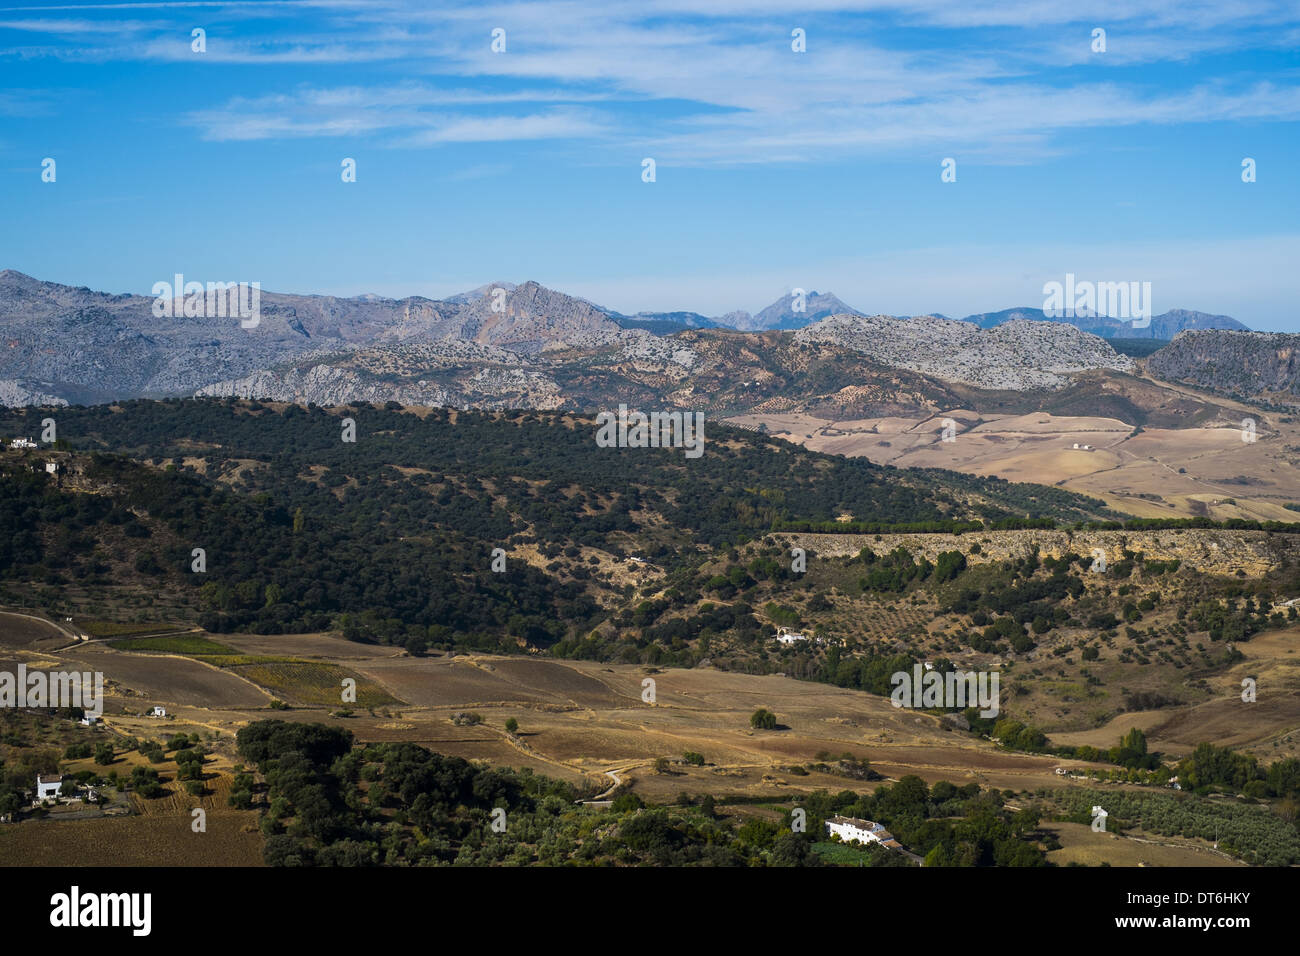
<point x="794" y="312"/>
<point x="782" y="314"/>
<point x="788" y="312"/>
<point x="507" y="345"/>
<point x="1164" y="326"/>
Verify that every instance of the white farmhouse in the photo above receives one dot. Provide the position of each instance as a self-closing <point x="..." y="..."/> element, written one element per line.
<point x="158" y="712"/>
<point x="47" y="786"/>
<point x="786" y="636"/>
<point x="853" y="830"/>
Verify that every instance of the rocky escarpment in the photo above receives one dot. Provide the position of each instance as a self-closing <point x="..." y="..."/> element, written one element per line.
<point x="1232" y="363"/>
<point x="87" y="346"/>
<point x="17" y="394"/>
<point x="487" y="387"/>
<point x="1212" y="550"/>
<point x="1017" y="355"/>
<point x="464" y="373"/>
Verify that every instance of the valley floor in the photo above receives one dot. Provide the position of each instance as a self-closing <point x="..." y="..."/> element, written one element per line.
<point x="1149" y="473"/>
<point x="591" y="723"/>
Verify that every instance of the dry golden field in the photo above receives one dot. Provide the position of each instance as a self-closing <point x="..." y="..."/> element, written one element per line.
<point x="1155" y="472"/>
<point x="1079" y="844"/>
<point x="580" y="719"/>
<point x="590" y="724"/>
<point x="160" y="833"/>
<point x="22" y="629"/>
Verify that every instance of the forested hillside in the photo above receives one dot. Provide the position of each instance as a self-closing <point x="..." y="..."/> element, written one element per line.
<point x="392" y="534"/>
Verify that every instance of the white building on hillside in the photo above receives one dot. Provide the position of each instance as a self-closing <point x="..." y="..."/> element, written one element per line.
<point x="853" y="830"/>
<point x="786" y="636"/>
<point x="22" y="443"/>
<point x="47" y="786"/>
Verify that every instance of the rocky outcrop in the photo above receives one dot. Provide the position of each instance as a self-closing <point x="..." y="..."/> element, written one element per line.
<point x="17" y="394"/>
<point x="1232" y="363"/>
<point x="1217" y="551"/>
<point x="1018" y="355"/>
<point x="88" y="346"/>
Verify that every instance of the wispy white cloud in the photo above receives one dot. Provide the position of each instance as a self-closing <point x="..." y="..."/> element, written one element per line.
<point x="994" y="79"/>
<point x="79" y="27"/>
<point x="417" y="115"/>
<point x="552" y="124"/>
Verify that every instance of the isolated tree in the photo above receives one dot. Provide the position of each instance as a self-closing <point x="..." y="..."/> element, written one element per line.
<point x="1134" y="740"/>
<point x="763" y="719"/>
<point x="627" y="802"/>
<point x="512" y="726"/>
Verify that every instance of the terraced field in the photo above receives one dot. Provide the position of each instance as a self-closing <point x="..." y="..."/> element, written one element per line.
<point x="160" y="834"/>
<point x="311" y="683"/>
<point x="594" y="723"/>
<point x="30" y="631"/>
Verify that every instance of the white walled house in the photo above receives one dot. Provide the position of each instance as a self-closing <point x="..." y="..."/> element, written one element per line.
<point x="47" y="786"/>
<point x="786" y="636"/>
<point x="158" y="712"/>
<point x="22" y="443"/>
<point x="851" y="830"/>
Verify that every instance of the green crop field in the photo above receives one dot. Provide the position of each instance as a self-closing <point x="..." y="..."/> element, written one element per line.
<point x="176" y="644"/>
<point x="308" y="683"/>
<point x="96" y="627"/>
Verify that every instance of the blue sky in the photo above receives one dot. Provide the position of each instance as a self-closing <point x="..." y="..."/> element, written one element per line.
<point x="774" y="169"/>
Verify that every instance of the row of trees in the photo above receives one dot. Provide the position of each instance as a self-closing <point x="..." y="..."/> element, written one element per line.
<point x="1254" y="833"/>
